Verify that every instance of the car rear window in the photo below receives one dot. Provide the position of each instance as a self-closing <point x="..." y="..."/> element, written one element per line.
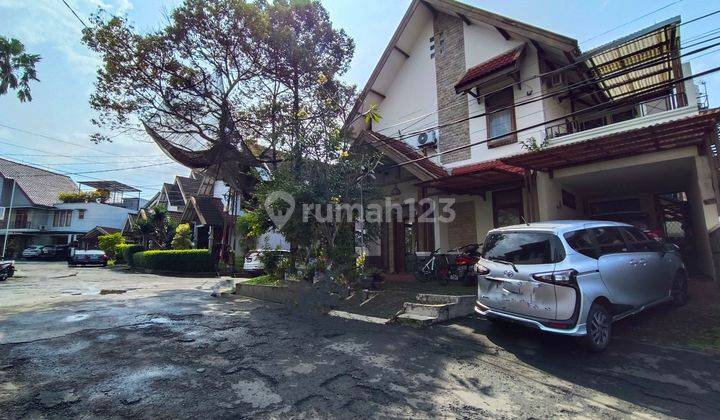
<point x="582" y="242"/>
<point x="523" y="247"/>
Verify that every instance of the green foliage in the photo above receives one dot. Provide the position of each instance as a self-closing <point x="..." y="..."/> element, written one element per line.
<point x="124" y="252"/>
<point x="252" y="224"/>
<point x="109" y="243"/>
<point x="17" y="68"/>
<point x="273" y="262"/>
<point x="264" y="280"/>
<point x="181" y="240"/>
<point x="176" y="260"/>
<point x="84" y="196"/>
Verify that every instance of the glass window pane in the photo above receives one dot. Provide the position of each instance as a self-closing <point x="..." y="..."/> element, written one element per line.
<point x="522" y="248"/>
<point x="610" y="241"/>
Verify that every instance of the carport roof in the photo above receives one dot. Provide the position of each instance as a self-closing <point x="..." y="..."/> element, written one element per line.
<point x="689" y="131"/>
<point x="478" y="178"/>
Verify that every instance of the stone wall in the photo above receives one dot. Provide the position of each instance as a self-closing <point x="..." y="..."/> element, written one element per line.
<point x="450" y="68"/>
<point x="462" y="230"/>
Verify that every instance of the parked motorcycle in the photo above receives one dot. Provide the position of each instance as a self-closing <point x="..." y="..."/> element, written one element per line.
<point x="463" y="268"/>
<point x="7" y="269"/>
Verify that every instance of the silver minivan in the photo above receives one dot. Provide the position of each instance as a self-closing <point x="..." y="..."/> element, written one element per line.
<point x="576" y="277"/>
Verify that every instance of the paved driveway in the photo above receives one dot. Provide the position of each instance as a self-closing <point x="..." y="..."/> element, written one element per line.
<point x="161" y="347"/>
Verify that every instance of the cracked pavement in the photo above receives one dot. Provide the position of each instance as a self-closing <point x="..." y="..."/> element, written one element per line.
<point x="162" y="347"/>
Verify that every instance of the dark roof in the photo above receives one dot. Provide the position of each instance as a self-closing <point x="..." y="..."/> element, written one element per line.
<point x="478" y="178"/>
<point x="492" y="65"/>
<point x="208" y="210"/>
<point x="41" y="187"/>
<point x="175" y="216"/>
<point x="492" y="165"/>
<point x="689" y="131"/>
<point x="99" y="231"/>
<point x="173" y="194"/>
<point x="409" y="153"/>
<point x="188" y="186"/>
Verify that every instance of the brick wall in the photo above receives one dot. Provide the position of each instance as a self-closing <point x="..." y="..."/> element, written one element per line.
<point x="449" y="69"/>
<point x="462" y="230"/>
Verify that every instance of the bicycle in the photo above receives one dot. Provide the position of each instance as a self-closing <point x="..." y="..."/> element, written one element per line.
<point x="436" y="267"/>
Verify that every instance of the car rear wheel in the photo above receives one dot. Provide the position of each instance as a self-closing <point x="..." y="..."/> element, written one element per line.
<point x="679" y="289"/>
<point x="599" y="328"/>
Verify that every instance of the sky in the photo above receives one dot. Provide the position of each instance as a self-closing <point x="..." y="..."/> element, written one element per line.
<point x="54" y="129"/>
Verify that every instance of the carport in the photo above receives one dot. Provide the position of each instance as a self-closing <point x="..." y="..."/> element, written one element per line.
<point x="661" y="178"/>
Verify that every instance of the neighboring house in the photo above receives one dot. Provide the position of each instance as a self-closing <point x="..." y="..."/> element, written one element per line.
<point x="37" y="217"/>
<point x="532" y="129"/>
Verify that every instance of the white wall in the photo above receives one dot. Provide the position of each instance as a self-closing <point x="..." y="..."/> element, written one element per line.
<point x="96" y="214"/>
<point x="411" y="93"/>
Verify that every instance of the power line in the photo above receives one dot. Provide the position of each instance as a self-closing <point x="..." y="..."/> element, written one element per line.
<point x="76" y="15"/>
<point x="539" y="75"/>
<point x="563" y="89"/>
<point x="632" y="21"/>
<point x="465" y="146"/>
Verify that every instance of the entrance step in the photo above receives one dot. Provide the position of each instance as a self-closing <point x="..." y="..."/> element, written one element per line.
<point x="414" y="320"/>
<point x="431" y="309"/>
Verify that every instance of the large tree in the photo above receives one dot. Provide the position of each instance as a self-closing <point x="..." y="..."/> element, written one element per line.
<point x="226" y="85"/>
<point x="17" y="68"/>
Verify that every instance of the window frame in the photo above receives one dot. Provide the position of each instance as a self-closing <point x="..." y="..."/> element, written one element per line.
<point x="510" y="138"/>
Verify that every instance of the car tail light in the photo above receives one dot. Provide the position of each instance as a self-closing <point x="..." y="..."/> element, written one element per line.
<point x="559" y="325"/>
<point x="463" y="260"/>
<point x="105" y="257"/>
<point x="481" y="270"/>
<point x="563" y="278"/>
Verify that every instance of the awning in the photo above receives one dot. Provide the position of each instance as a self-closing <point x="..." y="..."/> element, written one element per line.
<point x="689" y="131"/>
<point x="112" y="186"/>
<point x="401" y="152"/>
<point x="478" y="178"/>
<point x="657" y="44"/>
<point x="507" y="62"/>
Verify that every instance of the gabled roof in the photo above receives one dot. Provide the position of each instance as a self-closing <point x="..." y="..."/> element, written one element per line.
<point x="173" y="194"/>
<point x="488" y="67"/>
<point x="401" y="152"/>
<point x="469" y="14"/>
<point x="40" y="186"/>
<point x="188" y="186"/>
<point x="204" y="209"/>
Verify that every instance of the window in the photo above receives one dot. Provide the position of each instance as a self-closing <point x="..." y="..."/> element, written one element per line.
<point x="523" y="248"/>
<point x="81" y="214"/>
<point x="637" y="241"/>
<point x="62" y="218"/>
<point x="610" y="240"/>
<point x="582" y="242"/>
<point x="500" y="121"/>
<point x="507" y="207"/>
<point x="21" y="219"/>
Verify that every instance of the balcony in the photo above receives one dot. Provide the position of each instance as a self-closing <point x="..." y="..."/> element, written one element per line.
<point x="630" y="112"/>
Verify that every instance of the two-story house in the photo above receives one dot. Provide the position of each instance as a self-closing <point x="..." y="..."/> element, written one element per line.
<point x="514" y="123"/>
<point x="33" y="214"/>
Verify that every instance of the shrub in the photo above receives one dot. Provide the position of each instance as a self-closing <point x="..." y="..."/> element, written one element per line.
<point x="124" y="253"/>
<point x="84" y="196"/>
<point x="181" y="240"/>
<point x="179" y="260"/>
<point x="109" y="243"/>
<point x="273" y="263"/>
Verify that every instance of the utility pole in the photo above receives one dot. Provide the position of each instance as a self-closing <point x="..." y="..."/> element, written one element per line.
<point x="7" y="222"/>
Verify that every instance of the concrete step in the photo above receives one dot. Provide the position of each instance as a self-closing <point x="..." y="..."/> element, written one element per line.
<point x="414" y="320"/>
<point x="426" y="309"/>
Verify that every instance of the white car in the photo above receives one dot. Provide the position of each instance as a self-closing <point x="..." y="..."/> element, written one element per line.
<point x="253" y="264"/>
<point x="33" y="251"/>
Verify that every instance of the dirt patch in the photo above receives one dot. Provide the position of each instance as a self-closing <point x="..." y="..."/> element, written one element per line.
<point x="112" y="291"/>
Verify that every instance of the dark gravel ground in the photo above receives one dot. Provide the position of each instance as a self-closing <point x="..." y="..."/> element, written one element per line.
<point x="166" y="349"/>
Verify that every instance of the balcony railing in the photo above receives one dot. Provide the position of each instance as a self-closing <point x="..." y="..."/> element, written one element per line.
<point x="590" y="121"/>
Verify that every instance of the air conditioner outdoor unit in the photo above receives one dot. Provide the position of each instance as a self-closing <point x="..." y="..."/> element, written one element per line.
<point x="427" y="138"/>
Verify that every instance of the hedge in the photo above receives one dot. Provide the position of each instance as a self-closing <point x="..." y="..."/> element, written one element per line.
<point x="177" y="260"/>
<point x="124" y="253"/>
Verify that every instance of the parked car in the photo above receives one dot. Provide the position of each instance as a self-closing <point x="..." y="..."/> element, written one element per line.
<point x="33" y="251"/>
<point x="90" y="257"/>
<point x="253" y="265"/>
<point x="576" y="277"/>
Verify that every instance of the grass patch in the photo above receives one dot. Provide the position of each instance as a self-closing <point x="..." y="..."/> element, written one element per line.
<point x="708" y="339"/>
<point x="264" y="280"/>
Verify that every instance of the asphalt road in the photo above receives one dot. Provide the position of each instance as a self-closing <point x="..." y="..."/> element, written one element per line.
<point x="90" y="342"/>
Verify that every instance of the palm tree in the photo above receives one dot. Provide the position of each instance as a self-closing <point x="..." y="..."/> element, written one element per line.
<point x="17" y="68"/>
<point x="144" y="228"/>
